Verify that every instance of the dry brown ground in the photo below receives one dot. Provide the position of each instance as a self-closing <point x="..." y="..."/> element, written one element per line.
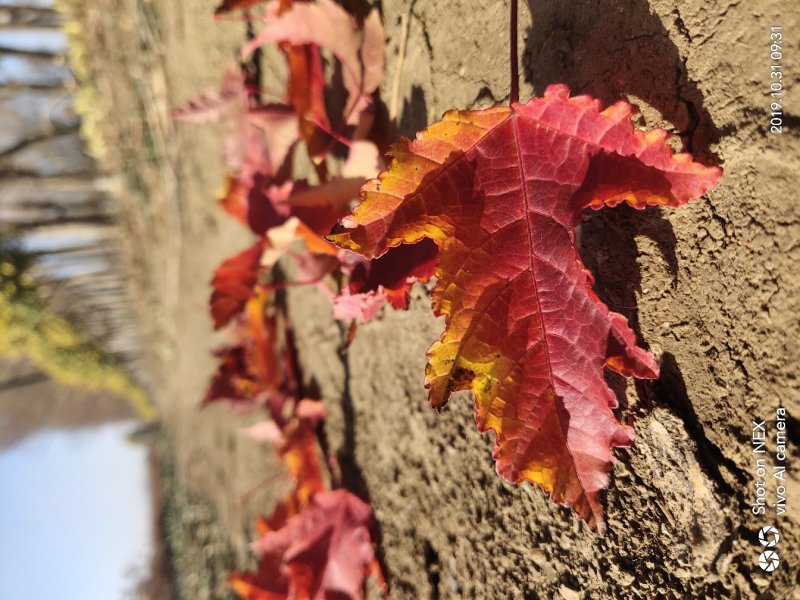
<point x="713" y="288"/>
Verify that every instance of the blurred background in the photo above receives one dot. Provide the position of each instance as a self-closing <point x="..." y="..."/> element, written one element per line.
<point x="103" y="306"/>
<point x="77" y="513"/>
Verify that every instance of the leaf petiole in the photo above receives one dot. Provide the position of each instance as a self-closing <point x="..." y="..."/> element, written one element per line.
<point x="514" y="95"/>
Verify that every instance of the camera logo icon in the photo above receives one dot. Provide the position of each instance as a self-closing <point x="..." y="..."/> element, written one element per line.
<point x="769" y="561"/>
<point x="769" y="537"/>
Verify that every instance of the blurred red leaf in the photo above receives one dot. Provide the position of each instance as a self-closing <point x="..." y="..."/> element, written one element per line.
<point x="299" y="453"/>
<point x="216" y="104"/>
<point x="395" y="272"/>
<point x="233" y="381"/>
<point x="326" y="550"/>
<point x="249" y="370"/>
<point x="362" y="307"/>
<point x="270" y="582"/>
<point x="234" y="282"/>
<point x="326" y="24"/>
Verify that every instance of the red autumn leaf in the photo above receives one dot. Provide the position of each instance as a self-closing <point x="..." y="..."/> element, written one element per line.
<point x="295" y="441"/>
<point x="248" y="156"/>
<point x="249" y="371"/>
<point x="305" y="91"/>
<point x="245" y="152"/>
<point x="216" y="104"/>
<point x="234" y="198"/>
<point x="260" y="333"/>
<point x="298" y="450"/>
<point x="280" y="240"/>
<point x="501" y="191"/>
<point x="320" y="207"/>
<point x="257" y="203"/>
<point x="395" y="271"/>
<point x="373" y="283"/>
<point x="234" y="282"/>
<point x="279" y="122"/>
<point x="233" y="382"/>
<point x="264" y="432"/>
<point x="261" y="204"/>
<point x="270" y="581"/>
<point x="310" y="411"/>
<point x="362" y="307"/>
<point x="326" y="550"/>
<point x="326" y="24"/>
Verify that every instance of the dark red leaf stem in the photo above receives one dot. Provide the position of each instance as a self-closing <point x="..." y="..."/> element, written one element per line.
<point x="514" y="95"/>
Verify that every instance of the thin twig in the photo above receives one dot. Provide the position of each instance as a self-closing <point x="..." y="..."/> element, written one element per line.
<point x="339" y="137"/>
<point x="282" y="285"/>
<point x="398" y="70"/>
<point x="248" y="495"/>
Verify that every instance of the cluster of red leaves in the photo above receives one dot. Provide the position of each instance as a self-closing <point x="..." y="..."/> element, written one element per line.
<point x="318" y="543"/>
<point x="487" y="202"/>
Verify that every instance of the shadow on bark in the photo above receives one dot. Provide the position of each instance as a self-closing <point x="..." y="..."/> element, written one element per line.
<point x="670" y="391"/>
<point x="608" y="248"/>
<point x="349" y="474"/>
<point x="616" y="49"/>
<point x="414" y="115"/>
<point x="613" y="50"/>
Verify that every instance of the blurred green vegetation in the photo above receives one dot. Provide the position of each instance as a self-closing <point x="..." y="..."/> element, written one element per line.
<point x="28" y="328"/>
<point x="87" y="99"/>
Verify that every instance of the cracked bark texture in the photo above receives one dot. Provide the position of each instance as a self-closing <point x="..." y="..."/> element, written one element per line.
<point x="712" y="288"/>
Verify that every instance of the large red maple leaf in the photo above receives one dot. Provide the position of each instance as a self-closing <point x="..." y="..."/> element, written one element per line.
<point x="501" y="191"/>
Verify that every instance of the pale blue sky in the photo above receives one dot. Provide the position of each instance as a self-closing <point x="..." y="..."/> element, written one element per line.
<point x="76" y="520"/>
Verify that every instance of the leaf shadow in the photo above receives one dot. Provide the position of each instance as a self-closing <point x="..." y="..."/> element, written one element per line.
<point x="613" y="50"/>
<point x="348" y="473"/>
<point x="670" y="390"/>
<point x="609" y="250"/>
<point x="414" y="114"/>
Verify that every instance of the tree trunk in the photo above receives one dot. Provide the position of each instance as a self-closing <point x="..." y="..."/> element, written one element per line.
<point x="711" y="288"/>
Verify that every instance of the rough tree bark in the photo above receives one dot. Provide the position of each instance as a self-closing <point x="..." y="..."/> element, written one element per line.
<point x="711" y="288"/>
